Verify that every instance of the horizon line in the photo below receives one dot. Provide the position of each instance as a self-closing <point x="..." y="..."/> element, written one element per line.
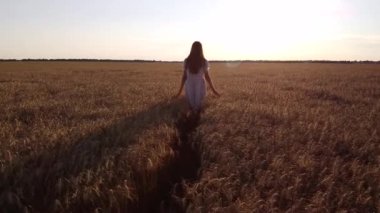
<point x="177" y="61"/>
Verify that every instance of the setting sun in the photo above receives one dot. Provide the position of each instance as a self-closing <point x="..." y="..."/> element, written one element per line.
<point x="276" y="29"/>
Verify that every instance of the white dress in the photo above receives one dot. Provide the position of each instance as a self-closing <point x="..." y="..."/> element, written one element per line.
<point x="195" y="86"/>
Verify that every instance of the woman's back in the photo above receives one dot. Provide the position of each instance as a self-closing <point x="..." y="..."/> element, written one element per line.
<point x="195" y="85"/>
<point x="196" y="75"/>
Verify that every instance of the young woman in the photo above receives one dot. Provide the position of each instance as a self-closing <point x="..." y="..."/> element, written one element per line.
<point x="195" y="71"/>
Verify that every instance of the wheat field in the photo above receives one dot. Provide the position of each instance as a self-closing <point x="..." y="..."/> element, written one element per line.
<point x="109" y="137"/>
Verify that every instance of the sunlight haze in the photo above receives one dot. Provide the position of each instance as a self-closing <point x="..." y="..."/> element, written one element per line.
<point x="165" y="30"/>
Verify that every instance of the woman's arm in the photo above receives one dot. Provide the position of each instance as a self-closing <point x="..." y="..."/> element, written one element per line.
<point x="208" y="79"/>
<point x="182" y="83"/>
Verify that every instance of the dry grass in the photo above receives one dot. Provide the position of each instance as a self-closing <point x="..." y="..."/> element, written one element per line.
<point x="83" y="136"/>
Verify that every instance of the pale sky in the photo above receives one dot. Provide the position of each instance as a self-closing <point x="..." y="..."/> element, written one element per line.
<point x="165" y="30"/>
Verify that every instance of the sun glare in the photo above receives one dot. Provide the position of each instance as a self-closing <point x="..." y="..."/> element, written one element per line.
<point x="273" y="29"/>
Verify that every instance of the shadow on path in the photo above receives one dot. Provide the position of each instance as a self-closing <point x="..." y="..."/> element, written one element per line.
<point x="185" y="166"/>
<point x="30" y="183"/>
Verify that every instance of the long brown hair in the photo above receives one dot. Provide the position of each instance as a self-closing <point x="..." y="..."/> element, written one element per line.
<point x="196" y="59"/>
